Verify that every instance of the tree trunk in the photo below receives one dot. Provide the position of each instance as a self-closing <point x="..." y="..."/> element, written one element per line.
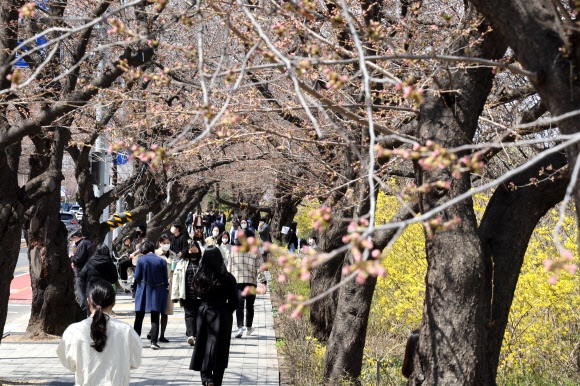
<point x="451" y="346"/>
<point x="505" y="231"/>
<point x="283" y="215"/>
<point x="54" y="306"/>
<point x="344" y="351"/>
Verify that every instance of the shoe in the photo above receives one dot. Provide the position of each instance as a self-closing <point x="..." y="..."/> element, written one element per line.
<point x="249" y="331"/>
<point x="209" y="382"/>
<point x="155" y="346"/>
<point x="240" y="332"/>
<point x="163" y="339"/>
<point x="191" y="340"/>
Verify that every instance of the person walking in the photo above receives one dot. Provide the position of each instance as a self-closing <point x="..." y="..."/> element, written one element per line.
<point x="99" y="267"/>
<point x="189" y="223"/>
<point x="217" y="290"/>
<point x="264" y="233"/>
<point x="83" y="252"/>
<point x="244" y="266"/>
<point x="214" y="239"/>
<point x="164" y="251"/>
<point x="100" y="350"/>
<point x="225" y="246"/>
<point x="292" y="240"/>
<point x="151" y="294"/>
<point x="178" y="239"/>
<point x="182" y="291"/>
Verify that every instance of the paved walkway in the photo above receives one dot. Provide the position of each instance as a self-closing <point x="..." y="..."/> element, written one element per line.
<point x="253" y="359"/>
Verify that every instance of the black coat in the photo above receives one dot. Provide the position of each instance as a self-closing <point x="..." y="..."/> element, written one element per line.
<point x="99" y="267"/>
<point x="214" y="327"/>
<point x="178" y="243"/>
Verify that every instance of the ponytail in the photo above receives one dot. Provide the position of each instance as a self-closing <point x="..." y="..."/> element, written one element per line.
<point x="99" y="329"/>
<point x="101" y="295"/>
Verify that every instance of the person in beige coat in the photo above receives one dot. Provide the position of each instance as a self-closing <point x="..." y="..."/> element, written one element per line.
<point x="182" y="290"/>
<point x="164" y="252"/>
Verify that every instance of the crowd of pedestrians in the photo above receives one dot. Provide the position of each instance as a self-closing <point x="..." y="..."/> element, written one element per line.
<point x="207" y="277"/>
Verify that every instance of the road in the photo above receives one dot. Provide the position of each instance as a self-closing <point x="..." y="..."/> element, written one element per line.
<point x="20" y="291"/>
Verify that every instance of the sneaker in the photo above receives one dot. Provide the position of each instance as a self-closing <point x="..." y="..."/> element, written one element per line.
<point x="249" y="331"/>
<point x="191" y="340"/>
<point x="240" y="332"/>
<point x="155" y="346"/>
<point x="163" y="339"/>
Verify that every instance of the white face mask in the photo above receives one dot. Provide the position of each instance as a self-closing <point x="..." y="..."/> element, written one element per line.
<point x="172" y="229"/>
<point x="244" y="226"/>
<point x="165" y="247"/>
<point x="225" y="241"/>
<point x="215" y="233"/>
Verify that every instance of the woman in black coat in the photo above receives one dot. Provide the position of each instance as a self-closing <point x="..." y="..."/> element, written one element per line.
<point x="99" y="267"/>
<point x="218" y="292"/>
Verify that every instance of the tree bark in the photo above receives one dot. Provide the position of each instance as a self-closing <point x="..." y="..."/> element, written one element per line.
<point x="53" y="304"/>
<point x="451" y="336"/>
<point x="505" y="230"/>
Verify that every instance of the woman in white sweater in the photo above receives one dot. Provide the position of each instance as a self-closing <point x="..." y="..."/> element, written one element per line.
<point x="100" y="350"/>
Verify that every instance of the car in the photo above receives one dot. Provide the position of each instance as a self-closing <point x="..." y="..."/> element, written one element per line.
<point x="75" y="208"/>
<point x="70" y="221"/>
<point x="79" y="214"/>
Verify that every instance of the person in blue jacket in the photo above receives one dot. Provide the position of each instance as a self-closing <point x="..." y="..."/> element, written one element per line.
<point x="152" y="285"/>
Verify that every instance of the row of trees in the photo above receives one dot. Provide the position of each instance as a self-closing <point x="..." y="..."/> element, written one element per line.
<point x="263" y="103"/>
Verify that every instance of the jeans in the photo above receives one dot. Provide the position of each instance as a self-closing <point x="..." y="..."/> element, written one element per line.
<point x="249" y="305"/>
<point x="292" y="248"/>
<point x="82" y="296"/>
<point x="139" y="316"/>
<point x="190" y="306"/>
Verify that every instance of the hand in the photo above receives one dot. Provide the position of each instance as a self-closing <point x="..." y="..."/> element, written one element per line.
<point x="72" y="265"/>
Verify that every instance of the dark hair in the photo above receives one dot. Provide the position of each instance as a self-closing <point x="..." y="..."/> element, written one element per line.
<point x="143" y="228"/>
<point x="76" y="234"/>
<point x="225" y="233"/>
<point x="185" y="253"/>
<point x="163" y="237"/>
<point x="407" y="368"/>
<point x="103" y="250"/>
<point x="211" y="273"/>
<point x="198" y="236"/>
<point x="177" y="225"/>
<point x="101" y="295"/>
<point x="146" y="247"/>
<point x="314" y="238"/>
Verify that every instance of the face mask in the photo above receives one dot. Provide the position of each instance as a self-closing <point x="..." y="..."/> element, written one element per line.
<point x="215" y="233"/>
<point x="244" y="226"/>
<point x="225" y="241"/>
<point x="165" y="247"/>
<point x="195" y="255"/>
<point x="172" y="229"/>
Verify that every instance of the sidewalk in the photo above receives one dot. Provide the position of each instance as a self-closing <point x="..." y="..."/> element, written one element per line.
<point x="253" y="359"/>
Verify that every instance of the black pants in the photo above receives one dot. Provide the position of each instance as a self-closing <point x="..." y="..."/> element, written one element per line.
<point x="139" y="316"/>
<point x="217" y="376"/>
<point x="123" y="265"/>
<point x="249" y="304"/>
<point x="190" y="306"/>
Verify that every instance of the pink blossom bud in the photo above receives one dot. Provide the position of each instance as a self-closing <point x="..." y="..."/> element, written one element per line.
<point x="552" y="280"/>
<point x="291" y="297"/>
<point x="296" y="314"/>
<point x="305" y="275"/>
<point x="548" y="263"/>
<point x="571" y="268"/>
<point x="282" y="278"/>
<point x="376" y="253"/>
<point x="283" y="308"/>
<point x="566" y="255"/>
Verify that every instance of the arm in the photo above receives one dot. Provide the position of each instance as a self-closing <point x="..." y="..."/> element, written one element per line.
<point x="67" y="352"/>
<point x="135" y="347"/>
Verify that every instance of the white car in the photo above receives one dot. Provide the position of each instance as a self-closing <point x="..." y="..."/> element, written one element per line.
<point x="79" y="214"/>
<point x="74" y="208"/>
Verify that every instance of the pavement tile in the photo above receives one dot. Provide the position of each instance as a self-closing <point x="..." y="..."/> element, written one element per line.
<point x="253" y="359"/>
